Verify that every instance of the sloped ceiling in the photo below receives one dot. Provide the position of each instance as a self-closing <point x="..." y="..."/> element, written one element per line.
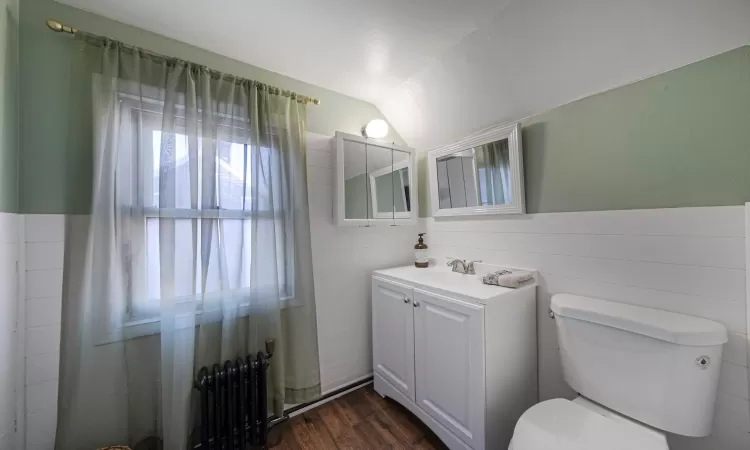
<point x="539" y="54"/>
<point x="442" y="69"/>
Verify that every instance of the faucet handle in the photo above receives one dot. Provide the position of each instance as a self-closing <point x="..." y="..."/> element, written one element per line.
<point x="455" y="263"/>
<point x="470" y="267"/>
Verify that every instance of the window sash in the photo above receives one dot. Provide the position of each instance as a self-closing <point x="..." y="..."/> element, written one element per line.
<point x="142" y="306"/>
<point x="144" y="117"/>
<point x="144" y="120"/>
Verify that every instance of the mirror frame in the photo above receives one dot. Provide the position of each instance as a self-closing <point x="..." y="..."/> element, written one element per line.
<point x="339" y="206"/>
<point x="512" y="133"/>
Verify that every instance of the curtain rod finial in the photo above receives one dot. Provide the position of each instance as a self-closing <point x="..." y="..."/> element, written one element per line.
<point x="54" y="25"/>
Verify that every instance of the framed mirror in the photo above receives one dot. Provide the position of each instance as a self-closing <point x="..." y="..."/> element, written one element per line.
<point x="374" y="182"/>
<point x="479" y="175"/>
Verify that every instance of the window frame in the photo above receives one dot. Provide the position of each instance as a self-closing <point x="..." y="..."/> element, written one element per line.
<point x="187" y="307"/>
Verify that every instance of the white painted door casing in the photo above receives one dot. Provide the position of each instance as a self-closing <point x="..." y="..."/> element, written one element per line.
<point x="449" y="364"/>
<point x="393" y="334"/>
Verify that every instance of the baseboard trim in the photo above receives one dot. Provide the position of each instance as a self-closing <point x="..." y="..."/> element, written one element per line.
<point x="328" y="396"/>
<point x="325" y="398"/>
<point x="357" y="381"/>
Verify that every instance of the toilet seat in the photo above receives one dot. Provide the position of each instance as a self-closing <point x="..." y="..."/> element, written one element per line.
<point x="560" y="424"/>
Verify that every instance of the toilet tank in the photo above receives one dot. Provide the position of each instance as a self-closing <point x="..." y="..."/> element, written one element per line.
<point x="658" y="367"/>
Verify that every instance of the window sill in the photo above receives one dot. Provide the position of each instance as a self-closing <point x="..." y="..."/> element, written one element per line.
<point x="148" y="327"/>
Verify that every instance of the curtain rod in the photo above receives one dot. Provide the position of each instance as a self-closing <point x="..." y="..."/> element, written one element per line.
<point x="58" y="27"/>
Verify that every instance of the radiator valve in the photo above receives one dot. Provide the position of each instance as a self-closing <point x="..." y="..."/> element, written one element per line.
<point x="270" y="347"/>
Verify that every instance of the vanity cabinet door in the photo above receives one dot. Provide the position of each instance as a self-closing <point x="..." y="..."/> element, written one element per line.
<point x="393" y="334"/>
<point x="449" y="362"/>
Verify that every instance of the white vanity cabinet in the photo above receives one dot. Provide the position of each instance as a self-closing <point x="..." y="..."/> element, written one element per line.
<point x="458" y="354"/>
<point x="393" y="345"/>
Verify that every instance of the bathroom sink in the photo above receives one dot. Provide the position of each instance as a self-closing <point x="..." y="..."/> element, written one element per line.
<point x="440" y="277"/>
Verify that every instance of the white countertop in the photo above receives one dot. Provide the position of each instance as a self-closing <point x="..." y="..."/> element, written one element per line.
<point x="440" y="277"/>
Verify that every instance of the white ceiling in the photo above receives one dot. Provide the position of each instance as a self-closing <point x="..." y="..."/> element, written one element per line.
<point x="540" y="54"/>
<point x="362" y="48"/>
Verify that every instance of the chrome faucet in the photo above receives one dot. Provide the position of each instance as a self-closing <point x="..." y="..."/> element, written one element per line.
<point x="459" y="265"/>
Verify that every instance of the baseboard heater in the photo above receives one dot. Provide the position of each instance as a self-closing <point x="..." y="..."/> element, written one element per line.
<point x="234" y="403"/>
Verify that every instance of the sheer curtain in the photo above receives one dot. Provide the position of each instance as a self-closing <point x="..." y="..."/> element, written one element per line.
<point x="197" y="249"/>
<point x="493" y="159"/>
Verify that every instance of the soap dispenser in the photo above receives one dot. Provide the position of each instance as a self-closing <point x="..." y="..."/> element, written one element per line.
<point x="420" y="253"/>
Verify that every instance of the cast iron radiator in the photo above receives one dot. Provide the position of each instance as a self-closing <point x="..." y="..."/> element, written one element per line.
<point x="233" y="403"/>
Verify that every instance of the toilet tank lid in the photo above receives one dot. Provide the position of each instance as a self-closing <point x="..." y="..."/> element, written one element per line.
<point x="663" y="325"/>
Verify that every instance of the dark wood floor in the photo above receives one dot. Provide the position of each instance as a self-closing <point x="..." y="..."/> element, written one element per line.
<point x="358" y="420"/>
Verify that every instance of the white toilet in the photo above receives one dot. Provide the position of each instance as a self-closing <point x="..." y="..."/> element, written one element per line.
<point x="639" y="372"/>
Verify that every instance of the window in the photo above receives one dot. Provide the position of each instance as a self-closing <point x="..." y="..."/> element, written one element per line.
<point x="193" y="216"/>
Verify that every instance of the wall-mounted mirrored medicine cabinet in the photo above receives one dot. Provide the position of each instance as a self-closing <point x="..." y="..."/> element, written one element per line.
<point x="375" y="182"/>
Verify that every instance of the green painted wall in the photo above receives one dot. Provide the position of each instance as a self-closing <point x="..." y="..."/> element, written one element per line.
<point x="55" y="170"/>
<point x="9" y="106"/>
<point x="678" y="139"/>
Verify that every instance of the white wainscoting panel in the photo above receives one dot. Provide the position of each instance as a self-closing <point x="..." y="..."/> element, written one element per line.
<point x="44" y="247"/>
<point x="686" y="260"/>
<point x="8" y="335"/>
<point x="343" y="261"/>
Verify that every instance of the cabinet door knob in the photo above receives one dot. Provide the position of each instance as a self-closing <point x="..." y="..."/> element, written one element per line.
<point x="416" y="304"/>
<point x="406" y="299"/>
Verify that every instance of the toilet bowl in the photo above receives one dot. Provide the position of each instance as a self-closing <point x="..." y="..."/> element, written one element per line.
<point x="639" y="373"/>
<point x="580" y="424"/>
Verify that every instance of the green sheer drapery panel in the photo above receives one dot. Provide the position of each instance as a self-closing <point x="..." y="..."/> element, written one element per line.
<point x="248" y="277"/>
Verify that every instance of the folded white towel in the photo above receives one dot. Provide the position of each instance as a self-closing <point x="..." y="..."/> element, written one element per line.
<point x="509" y="279"/>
